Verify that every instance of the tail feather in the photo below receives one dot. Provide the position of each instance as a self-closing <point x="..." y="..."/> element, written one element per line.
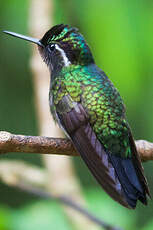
<point x="129" y="180"/>
<point x="138" y="166"/>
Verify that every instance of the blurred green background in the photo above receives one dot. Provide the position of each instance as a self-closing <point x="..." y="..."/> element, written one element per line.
<point x="120" y="34"/>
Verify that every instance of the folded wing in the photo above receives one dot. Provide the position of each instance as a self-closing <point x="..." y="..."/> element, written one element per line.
<point x="76" y="124"/>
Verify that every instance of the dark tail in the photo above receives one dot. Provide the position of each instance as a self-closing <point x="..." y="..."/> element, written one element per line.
<point x="129" y="180"/>
<point x="131" y="176"/>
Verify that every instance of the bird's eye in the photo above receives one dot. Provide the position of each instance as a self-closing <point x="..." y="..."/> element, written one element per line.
<point x="52" y="47"/>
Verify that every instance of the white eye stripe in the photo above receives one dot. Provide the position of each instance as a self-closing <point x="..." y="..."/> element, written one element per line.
<point x="65" y="59"/>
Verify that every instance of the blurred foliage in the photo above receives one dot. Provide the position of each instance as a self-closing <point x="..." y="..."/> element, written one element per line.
<point x="120" y="35"/>
<point x="39" y="215"/>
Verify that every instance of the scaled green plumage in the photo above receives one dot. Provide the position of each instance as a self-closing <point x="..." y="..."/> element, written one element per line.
<point x="102" y="102"/>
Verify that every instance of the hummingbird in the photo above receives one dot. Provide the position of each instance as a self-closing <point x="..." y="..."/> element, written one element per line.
<point x="90" y="110"/>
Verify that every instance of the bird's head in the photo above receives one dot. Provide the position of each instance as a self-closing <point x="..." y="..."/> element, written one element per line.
<point x="62" y="46"/>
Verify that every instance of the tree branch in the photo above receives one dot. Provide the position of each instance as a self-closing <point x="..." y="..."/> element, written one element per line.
<point x="35" y="144"/>
<point x="60" y="146"/>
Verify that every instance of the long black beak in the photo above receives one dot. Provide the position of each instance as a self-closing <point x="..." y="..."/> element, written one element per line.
<point x="30" y="39"/>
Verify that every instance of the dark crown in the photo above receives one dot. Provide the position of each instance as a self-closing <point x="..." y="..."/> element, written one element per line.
<point x="71" y="41"/>
<point x="57" y="33"/>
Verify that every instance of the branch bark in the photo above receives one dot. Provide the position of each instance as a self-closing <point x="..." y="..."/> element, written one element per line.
<point x="60" y="146"/>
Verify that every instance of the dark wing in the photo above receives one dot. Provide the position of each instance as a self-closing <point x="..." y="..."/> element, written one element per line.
<point x="76" y="124"/>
